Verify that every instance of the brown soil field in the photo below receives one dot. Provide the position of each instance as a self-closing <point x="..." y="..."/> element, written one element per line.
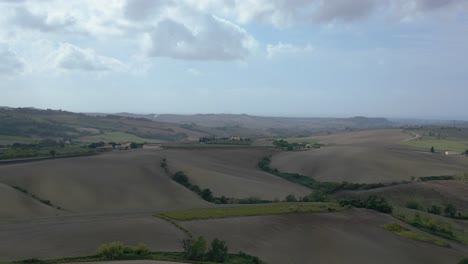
<point x="425" y="193"/>
<point x="231" y="172"/>
<point x="15" y="204"/>
<point x="135" y="262"/>
<point x="367" y="157"/>
<point x="355" y="236"/>
<point x="82" y="237"/>
<point x="112" y="181"/>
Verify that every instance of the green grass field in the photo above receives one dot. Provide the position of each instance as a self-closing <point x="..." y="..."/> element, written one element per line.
<point x="7" y="140"/>
<point x="405" y="232"/>
<point x="118" y="137"/>
<point x="307" y="140"/>
<point x="438" y="144"/>
<point x="252" y="210"/>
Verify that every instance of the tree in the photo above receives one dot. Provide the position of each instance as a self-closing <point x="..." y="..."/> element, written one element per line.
<point x="291" y="198"/>
<point x="207" y="195"/>
<point x="450" y="210"/>
<point x="111" y="251"/>
<point x="466" y="152"/>
<point x="52" y="152"/>
<point x="432" y="149"/>
<point x="194" y="249"/>
<point x="435" y="209"/>
<point x="218" y="251"/>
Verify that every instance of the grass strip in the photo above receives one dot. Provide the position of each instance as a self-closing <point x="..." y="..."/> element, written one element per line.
<point x="405" y="232"/>
<point x="252" y="210"/>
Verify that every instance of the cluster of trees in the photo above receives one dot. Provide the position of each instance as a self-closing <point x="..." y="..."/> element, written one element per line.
<point x="224" y="140"/>
<point x="182" y="179"/>
<point x="196" y="249"/>
<point x="372" y="202"/>
<point x="283" y="144"/>
<point x="449" y="210"/>
<point x="316" y="196"/>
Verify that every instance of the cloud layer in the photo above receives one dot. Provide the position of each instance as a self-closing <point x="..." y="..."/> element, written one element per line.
<point x="201" y="30"/>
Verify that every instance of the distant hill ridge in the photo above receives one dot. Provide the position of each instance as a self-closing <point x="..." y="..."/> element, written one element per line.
<point x="260" y="122"/>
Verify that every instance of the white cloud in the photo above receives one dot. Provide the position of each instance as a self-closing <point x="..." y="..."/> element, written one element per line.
<point x="9" y="62"/>
<point x="280" y="49"/>
<point x="212" y="39"/>
<point x="70" y="57"/>
<point x="43" y="22"/>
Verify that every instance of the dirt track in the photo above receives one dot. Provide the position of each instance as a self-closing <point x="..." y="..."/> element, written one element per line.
<point x="72" y="238"/>
<point x="356" y="236"/>
<point x="367" y="156"/>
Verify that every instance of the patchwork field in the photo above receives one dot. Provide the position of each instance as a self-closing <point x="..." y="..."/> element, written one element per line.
<point x="355" y="236"/>
<point x="127" y="180"/>
<point x="367" y="157"/>
<point x="231" y="172"/>
<point x="82" y="237"/>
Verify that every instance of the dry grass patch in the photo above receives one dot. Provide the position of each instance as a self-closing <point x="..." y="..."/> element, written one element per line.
<point x="264" y="209"/>
<point x="405" y="232"/>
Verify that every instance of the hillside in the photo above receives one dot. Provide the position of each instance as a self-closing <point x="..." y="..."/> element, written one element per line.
<point x="281" y="126"/>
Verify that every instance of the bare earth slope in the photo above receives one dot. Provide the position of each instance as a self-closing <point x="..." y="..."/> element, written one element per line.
<point x="232" y="173"/>
<point x="82" y="237"/>
<point x="355" y="236"/>
<point x="15" y="204"/>
<point x="367" y="156"/>
<point x="113" y="181"/>
<point x="424" y="193"/>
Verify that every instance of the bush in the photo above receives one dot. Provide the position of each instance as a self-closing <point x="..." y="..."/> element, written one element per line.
<point x="450" y="210"/>
<point x="435" y="209"/>
<point x="372" y="202"/>
<point x="141" y="249"/>
<point x="194" y="249"/>
<point x="465" y="260"/>
<point x="317" y="196"/>
<point x="181" y="178"/>
<point x="218" y="251"/>
<point x="291" y="198"/>
<point x="114" y="250"/>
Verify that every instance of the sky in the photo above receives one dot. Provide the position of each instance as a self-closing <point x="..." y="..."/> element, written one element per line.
<point x="315" y="58"/>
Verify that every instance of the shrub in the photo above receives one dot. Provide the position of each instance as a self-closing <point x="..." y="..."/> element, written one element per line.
<point x="465" y="260"/>
<point x="450" y="210"/>
<point x="372" y="202"/>
<point x="413" y="205"/>
<point x="114" y="250"/>
<point x="291" y="198"/>
<point x="181" y="178"/>
<point x="435" y="209"/>
<point x="317" y="196"/>
<point x="218" y="251"/>
<point x="141" y="249"/>
<point x="194" y="249"/>
<point x="207" y="195"/>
